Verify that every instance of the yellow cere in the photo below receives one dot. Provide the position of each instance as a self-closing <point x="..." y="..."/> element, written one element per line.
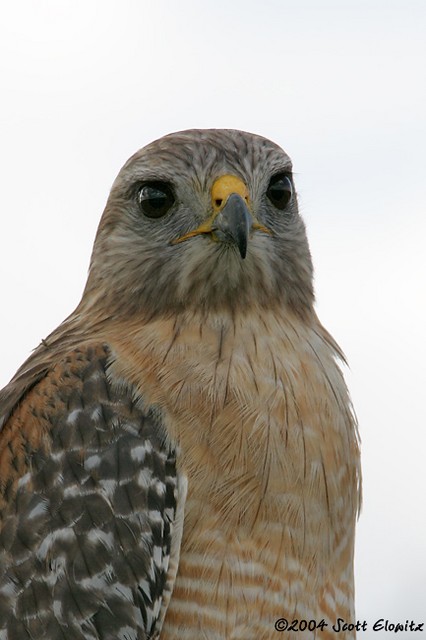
<point x="224" y="186"/>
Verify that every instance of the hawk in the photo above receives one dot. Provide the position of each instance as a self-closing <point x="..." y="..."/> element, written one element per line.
<point x="179" y="458"/>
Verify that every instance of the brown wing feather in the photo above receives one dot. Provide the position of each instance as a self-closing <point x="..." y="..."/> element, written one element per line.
<point x="88" y="492"/>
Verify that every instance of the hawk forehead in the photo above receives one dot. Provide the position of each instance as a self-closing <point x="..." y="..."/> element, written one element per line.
<point x="204" y="154"/>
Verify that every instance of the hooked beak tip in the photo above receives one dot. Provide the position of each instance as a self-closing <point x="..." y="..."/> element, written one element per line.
<point x="233" y="223"/>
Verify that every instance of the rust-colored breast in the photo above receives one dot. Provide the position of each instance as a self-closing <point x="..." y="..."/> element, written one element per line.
<point x="268" y="443"/>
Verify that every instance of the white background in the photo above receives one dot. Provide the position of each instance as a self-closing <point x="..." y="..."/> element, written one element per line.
<point x="341" y="86"/>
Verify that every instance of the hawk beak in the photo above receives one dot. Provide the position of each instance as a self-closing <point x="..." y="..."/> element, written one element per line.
<point x="232" y="221"/>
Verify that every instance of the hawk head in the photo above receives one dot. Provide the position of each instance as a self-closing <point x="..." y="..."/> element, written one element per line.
<point x="202" y="219"/>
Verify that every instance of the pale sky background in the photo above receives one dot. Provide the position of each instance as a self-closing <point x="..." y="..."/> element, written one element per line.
<point x="341" y="87"/>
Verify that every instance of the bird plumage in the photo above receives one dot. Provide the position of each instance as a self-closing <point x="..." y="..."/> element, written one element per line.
<point x="89" y="498"/>
<point x="192" y="403"/>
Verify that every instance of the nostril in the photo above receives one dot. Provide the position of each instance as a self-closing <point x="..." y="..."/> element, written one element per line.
<point x="218" y="202"/>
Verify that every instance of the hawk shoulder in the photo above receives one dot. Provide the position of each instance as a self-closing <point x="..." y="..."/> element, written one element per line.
<point x="89" y="492"/>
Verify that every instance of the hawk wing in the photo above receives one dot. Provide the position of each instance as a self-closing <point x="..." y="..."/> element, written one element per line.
<point x="91" y="507"/>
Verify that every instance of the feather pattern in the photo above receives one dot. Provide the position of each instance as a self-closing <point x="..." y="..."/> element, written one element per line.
<point x="86" y="540"/>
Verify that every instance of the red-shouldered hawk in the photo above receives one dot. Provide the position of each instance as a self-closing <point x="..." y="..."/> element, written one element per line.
<point x="179" y="458"/>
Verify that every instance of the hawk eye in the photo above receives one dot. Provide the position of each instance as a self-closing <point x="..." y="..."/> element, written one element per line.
<point x="280" y="190"/>
<point x="155" y="199"/>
